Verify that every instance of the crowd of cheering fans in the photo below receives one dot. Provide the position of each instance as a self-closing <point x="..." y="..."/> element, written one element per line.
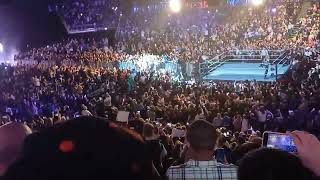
<point x="148" y="31"/>
<point x="65" y="95"/>
<point x="86" y="14"/>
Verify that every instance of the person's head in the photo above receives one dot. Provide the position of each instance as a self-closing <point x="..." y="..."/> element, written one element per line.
<point x="233" y="146"/>
<point x="12" y="136"/>
<point x="241" y="149"/>
<point x="272" y="164"/>
<point x="137" y="125"/>
<point x="221" y="141"/>
<point x="255" y="139"/>
<point x="258" y="133"/>
<point x="177" y="149"/>
<point x="201" y="137"/>
<point x="84" y="107"/>
<point x="82" y="148"/>
<point x="148" y="130"/>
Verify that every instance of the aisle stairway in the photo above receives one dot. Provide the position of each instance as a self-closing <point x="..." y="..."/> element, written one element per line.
<point x="294" y="31"/>
<point x="303" y="13"/>
<point x="304" y="9"/>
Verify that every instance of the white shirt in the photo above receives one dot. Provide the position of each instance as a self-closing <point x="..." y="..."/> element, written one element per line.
<point x="262" y="117"/>
<point x="37" y="82"/>
<point x="308" y="53"/>
<point x="244" y="125"/>
<point x="107" y="101"/>
<point x="264" y="52"/>
<point x="86" y="113"/>
<point x="203" y="170"/>
<point x="199" y="117"/>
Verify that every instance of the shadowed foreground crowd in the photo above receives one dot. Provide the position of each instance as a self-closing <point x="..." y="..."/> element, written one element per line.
<point x="89" y="147"/>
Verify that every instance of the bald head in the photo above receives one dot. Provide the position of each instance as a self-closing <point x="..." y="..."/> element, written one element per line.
<point x="11" y="138"/>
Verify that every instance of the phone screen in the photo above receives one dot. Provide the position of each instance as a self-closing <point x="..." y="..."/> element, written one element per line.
<point x="279" y="141"/>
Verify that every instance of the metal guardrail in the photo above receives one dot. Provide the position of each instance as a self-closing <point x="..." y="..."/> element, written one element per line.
<point x="209" y="64"/>
<point x="254" y="50"/>
<point x="252" y="55"/>
<point x="280" y="57"/>
<point x="91" y="29"/>
<point x="85" y="28"/>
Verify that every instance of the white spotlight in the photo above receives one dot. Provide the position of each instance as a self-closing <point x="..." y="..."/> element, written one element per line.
<point x="175" y="5"/>
<point x="257" y="2"/>
<point x="1" y="48"/>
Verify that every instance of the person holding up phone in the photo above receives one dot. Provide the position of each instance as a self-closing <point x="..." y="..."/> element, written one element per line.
<point x="305" y="145"/>
<point x="308" y="147"/>
<point x="280" y="141"/>
<point x="273" y="164"/>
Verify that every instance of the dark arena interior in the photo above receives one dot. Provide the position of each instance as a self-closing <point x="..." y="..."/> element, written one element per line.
<point x="160" y="89"/>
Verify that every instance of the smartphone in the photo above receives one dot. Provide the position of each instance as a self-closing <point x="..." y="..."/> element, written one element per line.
<point x="279" y="141"/>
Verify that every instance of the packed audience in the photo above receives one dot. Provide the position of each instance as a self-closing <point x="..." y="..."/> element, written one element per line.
<point x="195" y="32"/>
<point x="86" y="14"/>
<point x="177" y="36"/>
<point x="43" y="98"/>
<point x="71" y="100"/>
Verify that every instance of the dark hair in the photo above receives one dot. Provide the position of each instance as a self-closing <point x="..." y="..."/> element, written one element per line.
<point x="83" y="148"/>
<point x="137" y="125"/>
<point x="241" y="150"/>
<point x="202" y="135"/>
<point x="221" y="141"/>
<point x="148" y="130"/>
<point x="272" y="164"/>
<point x="177" y="150"/>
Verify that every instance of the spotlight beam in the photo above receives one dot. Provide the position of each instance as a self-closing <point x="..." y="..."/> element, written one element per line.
<point x="175" y="5"/>
<point x="257" y="2"/>
<point x="1" y="48"/>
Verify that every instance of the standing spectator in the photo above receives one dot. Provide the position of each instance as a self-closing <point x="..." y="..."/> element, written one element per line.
<point x="245" y="124"/>
<point x="262" y="115"/>
<point x="217" y="121"/>
<point x="227" y="122"/>
<point x="237" y="123"/>
<point x="154" y="146"/>
<point x="222" y="151"/>
<point x="85" y="111"/>
<point x="201" y="139"/>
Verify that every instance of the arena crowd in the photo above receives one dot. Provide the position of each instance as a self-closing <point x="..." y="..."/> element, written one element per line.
<point x="85" y="14"/>
<point x="69" y="94"/>
<point x="211" y="35"/>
